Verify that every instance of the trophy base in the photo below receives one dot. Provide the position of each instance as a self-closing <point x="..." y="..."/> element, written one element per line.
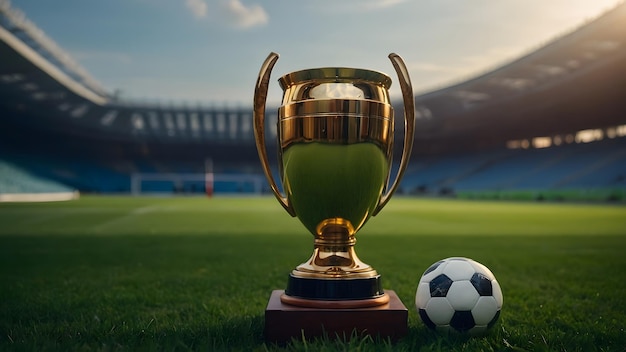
<point x="306" y="290"/>
<point x="284" y="322"/>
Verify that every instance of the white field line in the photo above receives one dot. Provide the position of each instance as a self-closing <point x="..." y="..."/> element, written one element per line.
<point x="127" y="217"/>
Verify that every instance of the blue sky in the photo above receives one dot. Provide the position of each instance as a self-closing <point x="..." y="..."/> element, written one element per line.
<point x="210" y="51"/>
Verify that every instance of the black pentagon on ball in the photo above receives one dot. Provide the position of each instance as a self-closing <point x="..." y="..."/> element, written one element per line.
<point x="482" y="284"/>
<point x="462" y="321"/>
<point x="440" y="285"/>
<point x="426" y="319"/>
<point x="432" y="267"/>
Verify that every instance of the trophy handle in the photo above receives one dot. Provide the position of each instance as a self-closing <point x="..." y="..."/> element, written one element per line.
<point x="409" y="125"/>
<point x="258" y="117"/>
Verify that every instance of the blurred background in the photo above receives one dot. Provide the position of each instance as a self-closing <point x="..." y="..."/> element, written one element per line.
<point x="514" y="100"/>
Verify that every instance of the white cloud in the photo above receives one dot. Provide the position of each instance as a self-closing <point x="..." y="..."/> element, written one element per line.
<point x="198" y="8"/>
<point x="242" y="16"/>
<point x="232" y="13"/>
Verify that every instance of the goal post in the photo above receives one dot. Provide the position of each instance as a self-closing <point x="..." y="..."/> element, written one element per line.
<point x="209" y="180"/>
<point x="195" y="183"/>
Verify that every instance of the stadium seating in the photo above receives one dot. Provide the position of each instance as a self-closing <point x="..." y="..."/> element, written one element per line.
<point x="84" y="175"/>
<point x="591" y="165"/>
<point x="15" y="180"/>
<point x="595" y="165"/>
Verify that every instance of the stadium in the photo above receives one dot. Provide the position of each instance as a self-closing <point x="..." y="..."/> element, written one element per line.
<point x="547" y="129"/>
<point x="564" y="127"/>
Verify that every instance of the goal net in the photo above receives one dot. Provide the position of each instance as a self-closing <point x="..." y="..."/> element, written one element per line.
<point x="196" y="183"/>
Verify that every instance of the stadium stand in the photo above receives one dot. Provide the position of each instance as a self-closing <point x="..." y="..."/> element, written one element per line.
<point x="552" y="119"/>
<point x="595" y="165"/>
<point x="19" y="184"/>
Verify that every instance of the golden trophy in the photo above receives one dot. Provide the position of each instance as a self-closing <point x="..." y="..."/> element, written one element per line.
<point x="335" y="147"/>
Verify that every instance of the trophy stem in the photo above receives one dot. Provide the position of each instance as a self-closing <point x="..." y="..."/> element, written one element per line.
<point x="334" y="276"/>
<point x="334" y="256"/>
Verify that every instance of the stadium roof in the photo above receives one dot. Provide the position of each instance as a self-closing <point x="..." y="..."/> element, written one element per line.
<point x="576" y="82"/>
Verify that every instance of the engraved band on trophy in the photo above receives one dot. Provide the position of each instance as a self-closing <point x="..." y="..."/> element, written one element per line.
<point x="335" y="146"/>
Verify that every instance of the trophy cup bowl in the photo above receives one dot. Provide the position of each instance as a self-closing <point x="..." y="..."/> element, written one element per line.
<point x="335" y="150"/>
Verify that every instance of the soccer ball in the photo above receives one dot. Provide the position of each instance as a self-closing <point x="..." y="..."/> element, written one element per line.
<point x="459" y="295"/>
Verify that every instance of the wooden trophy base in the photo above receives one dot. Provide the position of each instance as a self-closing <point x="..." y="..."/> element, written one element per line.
<point x="284" y="321"/>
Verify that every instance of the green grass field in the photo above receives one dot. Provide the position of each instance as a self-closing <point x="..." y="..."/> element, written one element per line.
<point x="118" y="273"/>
